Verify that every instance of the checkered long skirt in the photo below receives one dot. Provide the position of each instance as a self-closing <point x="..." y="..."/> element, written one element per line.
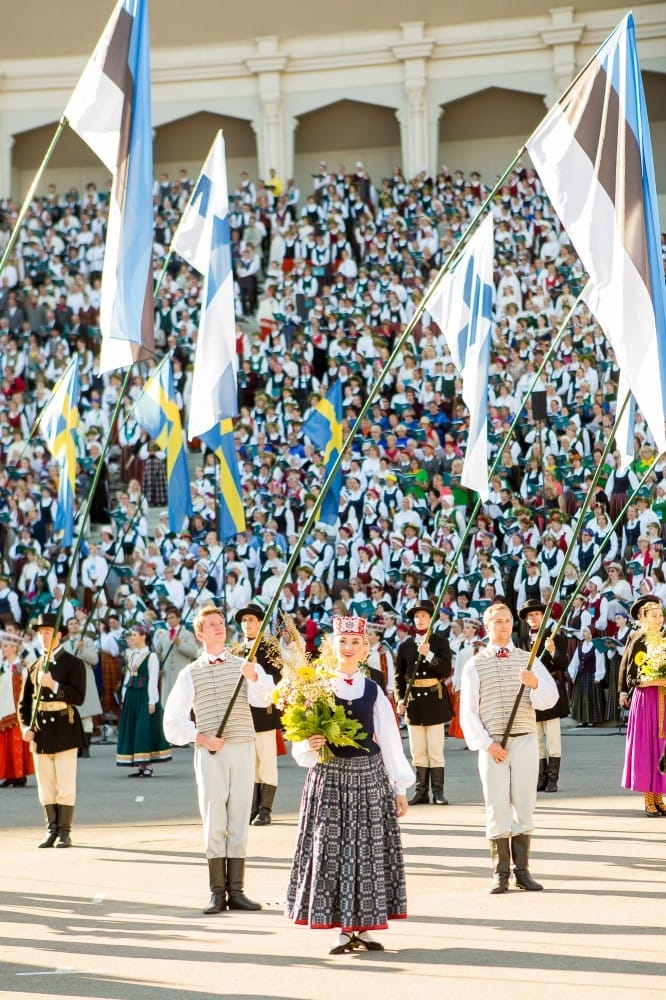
<point x="348" y="868"/>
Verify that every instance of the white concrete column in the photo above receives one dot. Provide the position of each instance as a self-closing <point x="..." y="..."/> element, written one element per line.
<point x="561" y="37"/>
<point x="413" y="51"/>
<point x="402" y="118"/>
<point x="273" y="138"/>
<point x="435" y="114"/>
<point x="290" y="126"/>
<point x="267" y="66"/>
<point x="257" y="126"/>
<point x="6" y="178"/>
<point x="419" y="139"/>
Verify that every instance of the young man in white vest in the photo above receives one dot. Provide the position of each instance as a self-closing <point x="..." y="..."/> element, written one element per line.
<point x="224" y="765"/>
<point x="489" y="685"/>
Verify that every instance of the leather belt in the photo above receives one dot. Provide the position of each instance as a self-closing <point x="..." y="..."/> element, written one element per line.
<point x="512" y="736"/>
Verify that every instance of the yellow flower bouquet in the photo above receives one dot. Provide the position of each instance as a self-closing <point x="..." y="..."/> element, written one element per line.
<point x="652" y="664"/>
<point x="306" y="700"/>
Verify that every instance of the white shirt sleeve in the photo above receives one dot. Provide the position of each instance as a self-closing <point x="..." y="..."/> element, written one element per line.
<point x="388" y="736"/>
<point x="390" y="670"/>
<point x="546" y="694"/>
<point x="573" y="666"/>
<point x="600" y="666"/>
<point x="259" y="692"/>
<point x="303" y="755"/>
<point x="108" y="644"/>
<point x="177" y="724"/>
<point x="153" y="675"/>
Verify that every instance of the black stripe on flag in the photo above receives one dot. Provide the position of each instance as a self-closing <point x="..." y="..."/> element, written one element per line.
<point x="117" y="68"/>
<point x="603" y="133"/>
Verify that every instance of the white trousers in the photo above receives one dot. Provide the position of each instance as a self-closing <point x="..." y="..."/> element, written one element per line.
<point x="56" y="777"/>
<point x="550" y="738"/>
<point x="426" y="745"/>
<point x="224" y="788"/>
<point x="509" y="788"/>
<point x="266" y="771"/>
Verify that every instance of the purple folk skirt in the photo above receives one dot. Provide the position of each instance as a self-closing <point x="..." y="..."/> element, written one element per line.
<point x="645" y="745"/>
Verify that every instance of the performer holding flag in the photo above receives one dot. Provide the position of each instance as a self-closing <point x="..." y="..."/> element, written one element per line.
<point x="552" y="651"/>
<point x="224" y="766"/>
<point x="508" y="775"/>
<point x="54" y="685"/>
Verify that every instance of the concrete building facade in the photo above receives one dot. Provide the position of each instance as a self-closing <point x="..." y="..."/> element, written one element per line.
<point x="292" y="86"/>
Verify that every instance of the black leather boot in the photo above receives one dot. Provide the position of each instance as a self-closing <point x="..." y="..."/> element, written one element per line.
<point x="520" y="850"/>
<point x="553" y="774"/>
<point x="543" y="775"/>
<point x="236" y="899"/>
<point x="217" y="875"/>
<point x="256" y="794"/>
<point x="420" y="796"/>
<point x="51" y="813"/>
<point x="65" y="817"/>
<point x="263" y="817"/>
<point x="437" y="785"/>
<point x="85" y="750"/>
<point x="500" y="853"/>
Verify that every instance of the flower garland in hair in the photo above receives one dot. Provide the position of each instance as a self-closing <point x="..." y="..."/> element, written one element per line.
<point x="306" y="699"/>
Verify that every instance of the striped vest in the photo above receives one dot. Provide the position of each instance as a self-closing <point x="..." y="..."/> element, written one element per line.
<point x="213" y="687"/>
<point x="500" y="683"/>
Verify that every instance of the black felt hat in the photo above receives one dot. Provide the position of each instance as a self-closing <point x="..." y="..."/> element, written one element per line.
<point x="426" y="606"/>
<point x="643" y="600"/>
<point x="46" y="620"/>
<point x="250" y="609"/>
<point x="531" y="605"/>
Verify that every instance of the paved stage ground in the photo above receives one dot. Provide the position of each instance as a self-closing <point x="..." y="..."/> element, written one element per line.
<point x="119" y="915"/>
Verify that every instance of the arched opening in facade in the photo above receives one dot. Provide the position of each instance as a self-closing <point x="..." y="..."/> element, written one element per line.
<point x="654" y="85"/>
<point x="72" y="163"/>
<point x="183" y="144"/>
<point x="343" y="133"/>
<point x="484" y="131"/>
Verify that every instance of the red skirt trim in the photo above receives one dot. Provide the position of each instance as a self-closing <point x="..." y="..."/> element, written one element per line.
<point x="367" y="927"/>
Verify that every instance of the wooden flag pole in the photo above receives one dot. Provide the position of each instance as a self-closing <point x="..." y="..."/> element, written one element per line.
<point x="616" y="523"/>
<point x="27" y="201"/>
<point x="409" y="329"/>
<point x="565" y="562"/>
<point x="498" y="458"/>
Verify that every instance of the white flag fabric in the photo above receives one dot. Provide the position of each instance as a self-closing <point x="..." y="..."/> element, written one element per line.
<point x="593" y="154"/>
<point x="462" y="307"/>
<point x="192" y="238"/>
<point x="624" y="429"/>
<point x="110" y="110"/>
<point x="204" y="239"/>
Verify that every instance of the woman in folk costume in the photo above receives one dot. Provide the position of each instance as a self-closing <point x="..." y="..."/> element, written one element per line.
<point x="470" y="643"/>
<point x="141" y="741"/>
<point x="587" y="670"/>
<point x="614" y="658"/>
<point x="16" y="761"/>
<point x="597" y="605"/>
<point x="646" y="696"/>
<point x="348" y="869"/>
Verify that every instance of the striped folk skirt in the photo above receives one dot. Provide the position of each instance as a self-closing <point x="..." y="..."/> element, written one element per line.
<point x="140" y="737"/>
<point x="348" y="868"/>
<point x="587" y="704"/>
